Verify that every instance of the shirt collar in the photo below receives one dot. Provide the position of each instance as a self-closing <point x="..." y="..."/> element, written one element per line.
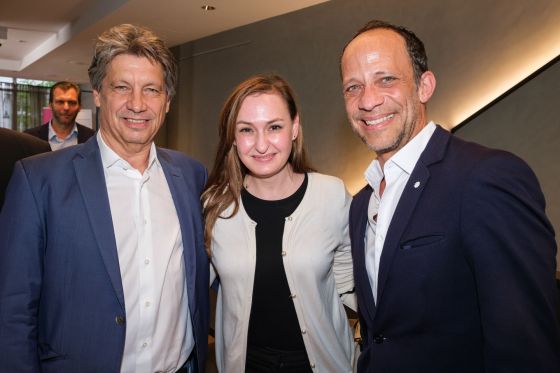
<point x="110" y="158"/>
<point x="52" y="133"/>
<point x="406" y="158"/>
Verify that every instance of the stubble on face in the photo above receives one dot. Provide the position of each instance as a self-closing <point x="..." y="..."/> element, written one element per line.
<point x="64" y="108"/>
<point x="379" y="86"/>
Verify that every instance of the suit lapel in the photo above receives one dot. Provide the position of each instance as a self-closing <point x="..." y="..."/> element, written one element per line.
<point x="358" y="229"/>
<point x="44" y="131"/>
<point x="412" y="192"/>
<point x="184" y="203"/>
<point x="91" y="181"/>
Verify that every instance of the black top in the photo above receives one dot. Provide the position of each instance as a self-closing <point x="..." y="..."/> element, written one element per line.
<point x="273" y="322"/>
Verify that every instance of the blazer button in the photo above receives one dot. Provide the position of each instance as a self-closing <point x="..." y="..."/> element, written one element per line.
<point x="379" y="339"/>
<point x="119" y="320"/>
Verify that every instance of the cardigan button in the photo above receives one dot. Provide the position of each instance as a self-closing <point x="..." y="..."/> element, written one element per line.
<point x="379" y="338"/>
<point x="292" y="296"/>
<point x="119" y="320"/>
<point x="283" y="253"/>
<point x="289" y="218"/>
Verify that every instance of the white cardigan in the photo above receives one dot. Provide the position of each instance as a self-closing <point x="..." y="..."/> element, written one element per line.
<point x="318" y="265"/>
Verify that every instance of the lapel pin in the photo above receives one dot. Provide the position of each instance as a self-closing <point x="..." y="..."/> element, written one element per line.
<point x="416" y="185"/>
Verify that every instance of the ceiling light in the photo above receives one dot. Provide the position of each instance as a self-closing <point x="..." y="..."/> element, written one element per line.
<point x="208" y="7"/>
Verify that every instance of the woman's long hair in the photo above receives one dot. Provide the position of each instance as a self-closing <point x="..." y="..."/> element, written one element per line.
<point x="226" y="179"/>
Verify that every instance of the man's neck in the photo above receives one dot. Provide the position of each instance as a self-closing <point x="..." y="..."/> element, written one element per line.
<point x="62" y="131"/>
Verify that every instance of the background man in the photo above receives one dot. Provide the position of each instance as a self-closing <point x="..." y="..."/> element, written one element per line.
<point x="65" y="99"/>
<point x="102" y="261"/>
<point x="454" y="258"/>
<point x="15" y="146"/>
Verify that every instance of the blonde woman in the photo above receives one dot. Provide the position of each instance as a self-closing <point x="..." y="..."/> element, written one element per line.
<point x="277" y="234"/>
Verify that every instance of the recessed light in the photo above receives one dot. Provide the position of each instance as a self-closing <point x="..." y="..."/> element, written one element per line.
<point x="208" y="7"/>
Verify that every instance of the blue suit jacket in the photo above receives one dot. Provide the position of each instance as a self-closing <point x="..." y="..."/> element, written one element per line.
<point x="467" y="273"/>
<point x="61" y="297"/>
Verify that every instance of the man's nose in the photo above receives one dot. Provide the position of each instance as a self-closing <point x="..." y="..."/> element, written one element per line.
<point x="370" y="98"/>
<point x="136" y="101"/>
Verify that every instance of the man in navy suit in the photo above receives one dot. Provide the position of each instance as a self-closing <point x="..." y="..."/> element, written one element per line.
<point x="454" y="258"/>
<point x="102" y="261"/>
<point x="65" y="100"/>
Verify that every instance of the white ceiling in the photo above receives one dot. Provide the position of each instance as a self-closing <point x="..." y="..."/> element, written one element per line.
<point x="53" y="39"/>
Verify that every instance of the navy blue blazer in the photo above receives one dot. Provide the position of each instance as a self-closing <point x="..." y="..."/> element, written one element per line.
<point x="467" y="273"/>
<point x="61" y="297"/>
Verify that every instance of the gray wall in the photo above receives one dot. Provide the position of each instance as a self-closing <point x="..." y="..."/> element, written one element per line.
<point x="527" y="123"/>
<point x="304" y="47"/>
<point x="304" y="52"/>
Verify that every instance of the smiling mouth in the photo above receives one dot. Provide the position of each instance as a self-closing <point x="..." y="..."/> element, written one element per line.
<point x="136" y="121"/>
<point x="378" y="121"/>
<point x="265" y="157"/>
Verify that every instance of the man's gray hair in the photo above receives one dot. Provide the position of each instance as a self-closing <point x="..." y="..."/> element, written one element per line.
<point x="133" y="40"/>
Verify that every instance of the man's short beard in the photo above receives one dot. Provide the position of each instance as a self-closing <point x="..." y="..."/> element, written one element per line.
<point x="384" y="150"/>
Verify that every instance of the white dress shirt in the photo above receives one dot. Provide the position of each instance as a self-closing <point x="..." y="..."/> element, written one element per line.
<point x="159" y="335"/>
<point x="59" y="143"/>
<point x="396" y="172"/>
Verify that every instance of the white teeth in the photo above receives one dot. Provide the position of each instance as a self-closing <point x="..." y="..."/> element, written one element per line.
<point x="377" y="121"/>
<point x="136" y="120"/>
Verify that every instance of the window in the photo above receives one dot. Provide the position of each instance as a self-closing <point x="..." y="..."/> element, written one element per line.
<point x="21" y="102"/>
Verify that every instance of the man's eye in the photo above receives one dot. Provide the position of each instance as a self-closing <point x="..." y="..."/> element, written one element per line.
<point x="152" y="91"/>
<point x="388" y="79"/>
<point x="120" y="88"/>
<point x="352" y="89"/>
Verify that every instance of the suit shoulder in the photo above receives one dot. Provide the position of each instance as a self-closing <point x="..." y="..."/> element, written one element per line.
<point x="50" y="160"/>
<point x="186" y="163"/>
<point x="85" y="129"/>
<point x="34" y="130"/>
<point x="474" y="153"/>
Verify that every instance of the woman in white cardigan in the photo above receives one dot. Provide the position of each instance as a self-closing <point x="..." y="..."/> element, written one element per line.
<point x="277" y="234"/>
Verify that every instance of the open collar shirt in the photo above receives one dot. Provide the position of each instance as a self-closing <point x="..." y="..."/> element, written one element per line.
<point x="159" y="335"/>
<point x="396" y="172"/>
<point x="59" y="143"/>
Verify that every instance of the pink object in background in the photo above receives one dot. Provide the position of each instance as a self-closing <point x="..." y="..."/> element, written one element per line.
<point x="46" y="114"/>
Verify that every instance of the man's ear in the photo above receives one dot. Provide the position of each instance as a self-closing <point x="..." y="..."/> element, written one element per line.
<point x="96" y="98"/>
<point x="426" y="86"/>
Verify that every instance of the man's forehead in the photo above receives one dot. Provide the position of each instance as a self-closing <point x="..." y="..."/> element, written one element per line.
<point x="58" y="91"/>
<point x="379" y="39"/>
<point x="375" y="46"/>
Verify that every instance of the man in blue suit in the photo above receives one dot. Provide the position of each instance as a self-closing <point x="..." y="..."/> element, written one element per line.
<point x="102" y="261"/>
<point x="454" y="258"/>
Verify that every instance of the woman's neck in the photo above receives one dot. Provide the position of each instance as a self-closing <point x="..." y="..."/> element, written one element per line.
<point x="279" y="186"/>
